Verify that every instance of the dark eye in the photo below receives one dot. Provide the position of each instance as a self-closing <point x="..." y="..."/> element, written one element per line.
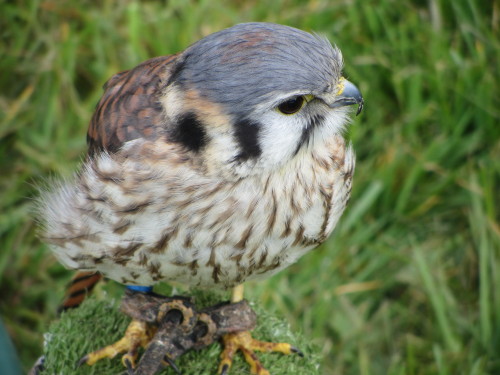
<point x="291" y="106"/>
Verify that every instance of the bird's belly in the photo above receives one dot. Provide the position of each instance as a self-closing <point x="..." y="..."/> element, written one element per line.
<point x="223" y="256"/>
<point x="217" y="268"/>
<point x="231" y="240"/>
<point x="200" y="231"/>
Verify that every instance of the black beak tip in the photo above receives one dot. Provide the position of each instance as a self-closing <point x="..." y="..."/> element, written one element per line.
<point x="361" y="104"/>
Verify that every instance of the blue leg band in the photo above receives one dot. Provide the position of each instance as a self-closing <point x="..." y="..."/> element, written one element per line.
<point x="140" y="288"/>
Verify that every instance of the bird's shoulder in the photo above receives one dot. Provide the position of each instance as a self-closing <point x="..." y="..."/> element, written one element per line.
<point x="129" y="107"/>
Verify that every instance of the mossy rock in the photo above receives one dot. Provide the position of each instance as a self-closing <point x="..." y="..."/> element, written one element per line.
<point x="97" y="323"/>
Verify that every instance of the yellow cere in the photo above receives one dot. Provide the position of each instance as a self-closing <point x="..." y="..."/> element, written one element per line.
<point x="340" y="86"/>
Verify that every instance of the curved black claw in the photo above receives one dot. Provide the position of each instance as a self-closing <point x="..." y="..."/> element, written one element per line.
<point x="225" y="370"/>
<point x="297" y="351"/>
<point x="81" y="361"/>
<point x="172" y="364"/>
<point x="128" y="365"/>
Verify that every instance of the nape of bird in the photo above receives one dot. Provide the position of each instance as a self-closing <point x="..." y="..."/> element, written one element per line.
<point x="223" y="163"/>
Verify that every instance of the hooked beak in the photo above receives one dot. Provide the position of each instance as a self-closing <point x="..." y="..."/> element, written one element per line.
<point x="348" y="94"/>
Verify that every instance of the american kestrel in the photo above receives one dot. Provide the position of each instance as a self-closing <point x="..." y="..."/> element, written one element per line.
<point x="220" y="164"/>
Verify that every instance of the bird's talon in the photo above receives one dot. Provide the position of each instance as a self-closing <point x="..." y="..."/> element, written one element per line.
<point x="128" y="364"/>
<point x="128" y="360"/>
<point x="172" y="364"/>
<point x="224" y="370"/>
<point x="244" y="342"/>
<point x="297" y="351"/>
<point x="137" y="334"/>
<point x="82" y="361"/>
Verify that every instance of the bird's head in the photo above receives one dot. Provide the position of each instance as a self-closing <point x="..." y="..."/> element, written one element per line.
<point x="256" y="95"/>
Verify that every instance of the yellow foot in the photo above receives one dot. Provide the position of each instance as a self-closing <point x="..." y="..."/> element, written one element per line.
<point x="137" y="334"/>
<point x="244" y="342"/>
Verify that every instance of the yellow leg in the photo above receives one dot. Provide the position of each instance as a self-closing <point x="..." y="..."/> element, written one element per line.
<point x="244" y="342"/>
<point x="237" y="293"/>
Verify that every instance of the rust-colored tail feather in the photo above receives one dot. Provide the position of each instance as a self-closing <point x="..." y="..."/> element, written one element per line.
<point x="80" y="285"/>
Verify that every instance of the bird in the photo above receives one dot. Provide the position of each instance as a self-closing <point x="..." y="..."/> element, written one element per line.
<point x="220" y="164"/>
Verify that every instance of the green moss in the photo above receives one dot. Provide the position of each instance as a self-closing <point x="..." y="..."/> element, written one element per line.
<point x="99" y="322"/>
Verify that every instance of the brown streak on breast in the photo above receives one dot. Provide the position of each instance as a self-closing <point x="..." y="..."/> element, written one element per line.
<point x="143" y="259"/>
<point x="133" y="208"/>
<point x="182" y="205"/>
<point x="207" y="194"/>
<point x="214" y="242"/>
<point x="188" y="240"/>
<point x="211" y="260"/>
<point x="158" y="276"/>
<point x="216" y="273"/>
<point x="308" y="186"/>
<point x="275" y="264"/>
<point x="100" y="198"/>
<point x="154" y="268"/>
<point x="262" y="259"/>
<point x="106" y="176"/>
<point x="205" y="210"/>
<point x="122" y="226"/>
<point x="251" y="208"/>
<point x="121" y="260"/>
<point x="237" y="257"/>
<point x="222" y="218"/>
<point x="241" y="244"/>
<point x="326" y="195"/>
<point x="294" y="205"/>
<point x="288" y="228"/>
<point x="266" y="186"/>
<point x="320" y="162"/>
<point x="347" y="176"/>
<point x="252" y="252"/>
<point x="299" y="236"/>
<point x="76" y="240"/>
<point x="126" y="250"/>
<point x="328" y="207"/>
<point x="162" y="243"/>
<point x="273" y="213"/>
<point x="193" y="266"/>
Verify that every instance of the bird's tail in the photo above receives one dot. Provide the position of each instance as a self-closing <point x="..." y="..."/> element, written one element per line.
<point x="80" y="285"/>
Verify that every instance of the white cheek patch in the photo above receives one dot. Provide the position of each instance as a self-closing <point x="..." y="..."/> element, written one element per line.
<point x="279" y="136"/>
<point x="334" y="122"/>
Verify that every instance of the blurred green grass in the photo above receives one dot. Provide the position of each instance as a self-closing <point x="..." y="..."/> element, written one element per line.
<point x="407" y="284"/>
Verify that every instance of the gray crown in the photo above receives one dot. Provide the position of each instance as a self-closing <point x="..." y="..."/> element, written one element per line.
<point x="246" y="64"/>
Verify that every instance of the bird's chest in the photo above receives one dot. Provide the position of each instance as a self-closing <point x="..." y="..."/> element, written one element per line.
<point x="210" y="232"/>
<point x="257" y="226"/>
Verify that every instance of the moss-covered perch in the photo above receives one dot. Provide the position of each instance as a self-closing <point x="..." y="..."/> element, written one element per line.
<point x="99" y="322"/>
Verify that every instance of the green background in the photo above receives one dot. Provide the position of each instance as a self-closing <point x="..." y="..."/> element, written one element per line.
<point x="407" y="284"/>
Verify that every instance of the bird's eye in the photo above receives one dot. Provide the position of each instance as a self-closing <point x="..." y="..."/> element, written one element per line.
<point x="291" y="106"/>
